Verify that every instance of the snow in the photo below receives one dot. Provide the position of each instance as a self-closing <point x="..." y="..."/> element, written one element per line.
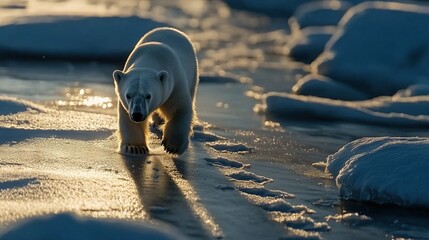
<point x="312" y="25"/>
<point x="72" y="37"/>
<point x="67" y="227"/>
<point x="386" y="111"/>
<point x="353" y="219"/>
<point x="299" y="221"/>
<point x="249" y="176"/>
<point x="365" y="74"/>
<point x="264" y="192"/>
<point x="366" y="53"/>
<point x="384" y="170"/>
<point x="280" y="205"/>
<point x="269" y="7"/>
<point x="305" y="45"/>
<point x="51" y="162"/>
<point x="326" y="88"/>
<point x="318" y="13"/>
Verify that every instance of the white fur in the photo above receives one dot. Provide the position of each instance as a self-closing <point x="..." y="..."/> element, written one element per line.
<point x="161" y="74"/>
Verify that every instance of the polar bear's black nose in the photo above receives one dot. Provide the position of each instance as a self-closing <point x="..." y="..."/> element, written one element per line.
<point x="137" y="117"/>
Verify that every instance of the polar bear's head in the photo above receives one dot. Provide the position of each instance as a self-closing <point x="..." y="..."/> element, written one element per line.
<point x="141" y="91"/>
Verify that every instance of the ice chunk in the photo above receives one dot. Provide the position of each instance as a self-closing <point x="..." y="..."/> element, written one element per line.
<point x="72" y="37"/>
<point x="388" y="170"/>
<point x="380" y="48"/>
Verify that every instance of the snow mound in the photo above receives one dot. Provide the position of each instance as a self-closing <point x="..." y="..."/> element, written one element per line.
<point x="353" y="219"/>
<point x="273" y="8"/>
<point x="318" y="13"/>
<point x="413" y="91"/>
<point x="379" y="48"/>
<point x="299" y="221"/>
<point x="385" y="111"/>
<point x="326" y="88"/>
<point x="67" y="227"/>
<point x="387" y="170"/>
<point x="249" y="176"/>
<point x="280" y="205"/>
<point x="307" y="44"/>
<point x="264" y="192"/>
<point x="68" y="37"/>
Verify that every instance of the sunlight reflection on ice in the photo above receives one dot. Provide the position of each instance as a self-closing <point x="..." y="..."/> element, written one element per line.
<point x="83" y="97"/>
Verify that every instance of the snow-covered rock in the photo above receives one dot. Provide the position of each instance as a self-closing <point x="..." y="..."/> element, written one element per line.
<point x="379" y="48"/>
<point x="72" y="37"/>
<point x="386" y="170"/>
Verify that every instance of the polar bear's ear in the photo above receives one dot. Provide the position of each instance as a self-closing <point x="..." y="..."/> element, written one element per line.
<point x="118" y="75"/>
<point x="162" y="76"/>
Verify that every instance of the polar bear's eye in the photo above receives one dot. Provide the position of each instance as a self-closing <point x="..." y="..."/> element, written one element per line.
<point x="148" y="96"/>
<point x="128" y="96"/>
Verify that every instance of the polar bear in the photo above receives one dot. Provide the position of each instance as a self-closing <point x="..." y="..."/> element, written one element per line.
<point x="160" y="75"/>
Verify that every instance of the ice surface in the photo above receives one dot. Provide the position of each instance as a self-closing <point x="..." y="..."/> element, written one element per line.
<point x="387" y="170"/>
<point x="203" y="136"/>
<point x="22" y="114"/>
<point x="72" y="37"/>
<point x="226" y="163"/>
<point x="380" y="48"/>
<point x="219" y="79"/>
<point x="69" y="227"/>
<point x="230" y="147"/>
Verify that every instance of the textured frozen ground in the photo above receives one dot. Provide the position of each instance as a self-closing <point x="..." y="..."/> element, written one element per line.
<point x="200" y="200"/>
<point x="53" y="170"/>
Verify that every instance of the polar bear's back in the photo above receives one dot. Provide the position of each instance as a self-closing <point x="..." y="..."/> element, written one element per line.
<point x="182" y="46"/>
<point x="173" y="38"/>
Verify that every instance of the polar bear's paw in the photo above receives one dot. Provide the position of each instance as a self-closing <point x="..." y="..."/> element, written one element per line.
<point x="134" y="150"/>
<point x="176" y="145"/>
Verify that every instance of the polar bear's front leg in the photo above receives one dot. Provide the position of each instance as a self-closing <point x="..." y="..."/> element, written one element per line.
<point x="177" y="131"/>
<point x="132" y="136"/>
